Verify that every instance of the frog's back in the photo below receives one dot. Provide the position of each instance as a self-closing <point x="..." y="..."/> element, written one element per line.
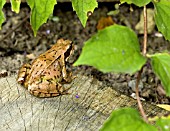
<point x="49" y="61"/>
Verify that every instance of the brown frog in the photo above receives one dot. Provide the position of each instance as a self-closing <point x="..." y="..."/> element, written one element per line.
<point x="47" y="74"/>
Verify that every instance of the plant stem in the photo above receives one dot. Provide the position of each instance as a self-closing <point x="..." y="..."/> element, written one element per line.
<point x="140" y="72"/>
<point x="145" y="30"/>
<point x="138" y="98"/>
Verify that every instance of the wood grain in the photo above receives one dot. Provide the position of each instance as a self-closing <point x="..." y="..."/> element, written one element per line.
<point x="86" y="108"/>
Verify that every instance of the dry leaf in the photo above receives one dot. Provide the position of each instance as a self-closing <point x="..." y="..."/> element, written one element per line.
<point x="164" y="106"/>
<point x="150" y="21"/>
<point x="104" y="22"/>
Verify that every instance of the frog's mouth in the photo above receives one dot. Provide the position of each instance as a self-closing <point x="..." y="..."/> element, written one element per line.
<point x="68" y="52"/>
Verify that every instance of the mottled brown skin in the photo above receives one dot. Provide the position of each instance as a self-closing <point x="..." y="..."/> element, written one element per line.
<point x="47" y="74"/>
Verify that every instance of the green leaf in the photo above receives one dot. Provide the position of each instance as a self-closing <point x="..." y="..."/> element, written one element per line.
<point x="2" y="17"/>
<point x="83" y="7"/>
<point x="126" y="119"/>
<point x="136" y="2"/>
<point x="40" y="11"/>
<point x="113" y="49"/>
<point x="161" y="65"/>
<point x="15" y="5"/>
<point x="163" y="123"/>
<point x="162" y="17"/>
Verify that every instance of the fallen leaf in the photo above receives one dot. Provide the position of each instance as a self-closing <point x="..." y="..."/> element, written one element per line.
<point x="164" y="106"/>
<point x="104" y="22"/>
<point x="150" y="21"/>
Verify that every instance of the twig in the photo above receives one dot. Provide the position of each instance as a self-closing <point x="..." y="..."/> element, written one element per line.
<point x="15" y="28"/>
<point x="145" y="30"/>
<point x="138" y="98"/>
<point x="140" y="72"/>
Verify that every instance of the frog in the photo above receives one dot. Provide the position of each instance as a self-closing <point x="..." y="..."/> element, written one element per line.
<point x="47" y="74"/>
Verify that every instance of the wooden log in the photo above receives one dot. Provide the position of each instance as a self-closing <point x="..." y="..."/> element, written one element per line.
<point x="88" y="105"/>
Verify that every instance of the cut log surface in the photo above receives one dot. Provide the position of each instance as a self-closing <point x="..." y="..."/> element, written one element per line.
<point x="86" y="108"/>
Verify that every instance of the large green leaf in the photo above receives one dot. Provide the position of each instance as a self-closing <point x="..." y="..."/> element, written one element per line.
<point x="163" y="123"/>
<point x="127" y="119"/>
<point x="2" y="17"/>
<point x="40" y="11"/>
<point x="161" y="65"/>
<point x="162" y="17"/>
<point x="136" y="2"/>
<point x="82" y="7"/>
<point x="113" y="49"/>
<point x="15" y="5"/>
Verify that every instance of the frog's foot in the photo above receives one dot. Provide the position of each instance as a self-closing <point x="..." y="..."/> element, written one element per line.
<point x="23" y="73"/>
<point x="43" y="95"/>
<point x="68" y="79"/>
<point x="63" y="91"/>
<point x="73" y="77"/>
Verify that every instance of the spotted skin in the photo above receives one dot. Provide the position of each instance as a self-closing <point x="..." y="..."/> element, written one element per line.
<point x="47" y="74"/>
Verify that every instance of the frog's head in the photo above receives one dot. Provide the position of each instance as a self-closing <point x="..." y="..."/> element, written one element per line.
<point x="67" y="47"/>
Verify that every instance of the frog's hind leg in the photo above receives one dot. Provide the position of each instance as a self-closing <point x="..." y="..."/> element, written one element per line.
<point x="43" y="95"/>
<point x="23" y="73"/>
<point x="47" y="89"/>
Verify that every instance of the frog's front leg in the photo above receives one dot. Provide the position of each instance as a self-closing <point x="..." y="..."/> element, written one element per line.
<point x="66" y="76"/>
<point x="46" y="89"/>
<point x="23" y="74"/>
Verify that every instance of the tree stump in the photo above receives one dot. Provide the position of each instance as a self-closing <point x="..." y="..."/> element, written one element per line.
<point x="88" y="105"/>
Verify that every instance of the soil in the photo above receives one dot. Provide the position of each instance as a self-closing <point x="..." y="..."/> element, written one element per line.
<point x="18" y="45"/>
